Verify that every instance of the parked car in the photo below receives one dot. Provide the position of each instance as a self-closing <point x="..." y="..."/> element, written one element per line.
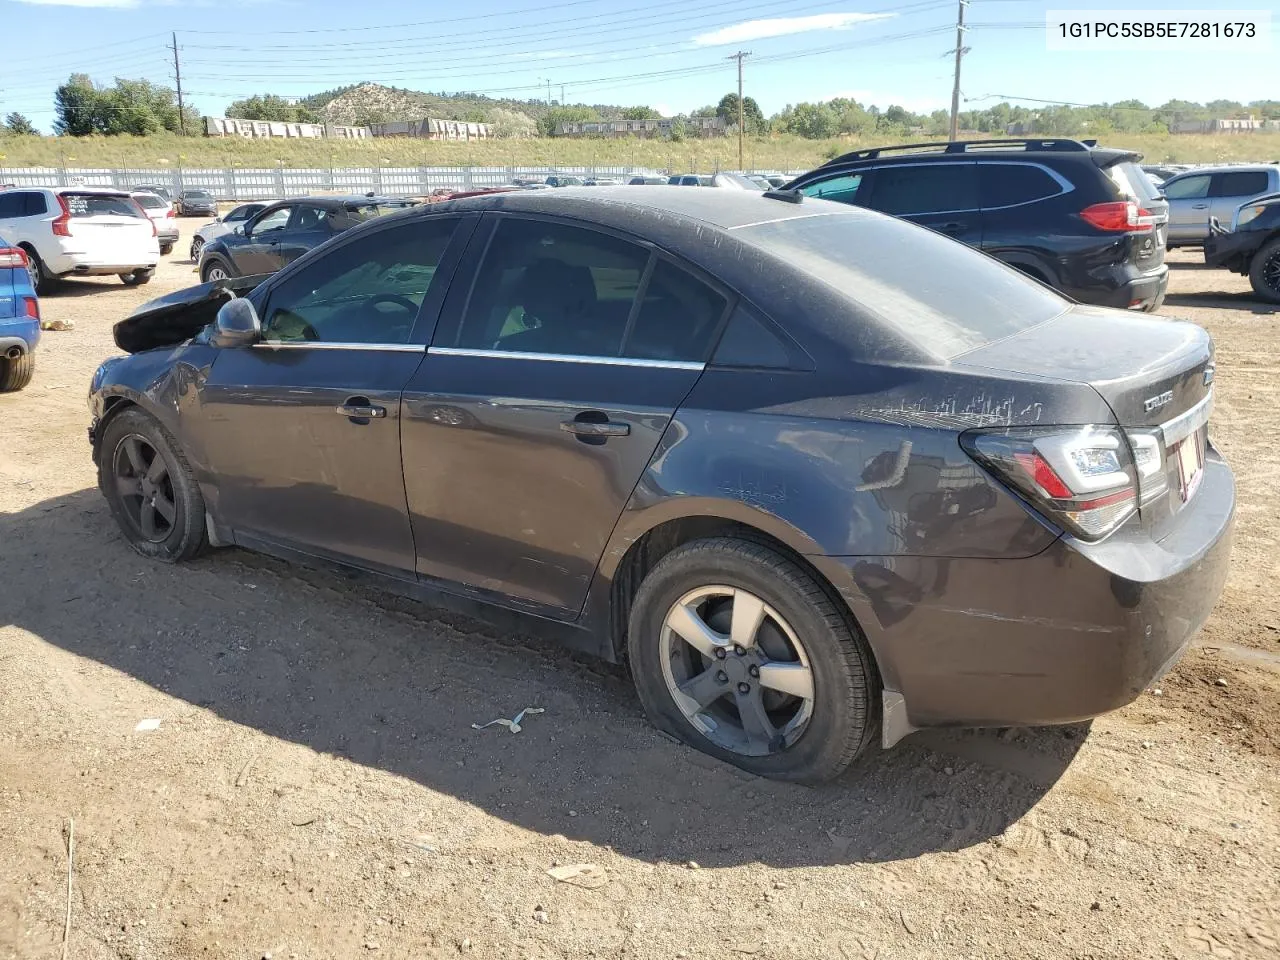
<point x="562" y="181"/>
<point x="1206" y="192"/>
<point x="160" y="211"/>
<point x="1250" y="246"/>
<point x="157" y="190"/>
<point x="233" y="220"/>
<point x="197" y="203"/>
<point x="19" y="318"/>
<point x="281" y="232"/>
<point x="777" y="180"/>
<point x="1077" y="217"/>
<point x="647" y="181"/>
<point x="1164" y="171"/>
<point x="688" y="180"/>
<point x="738" y="181"/>
<point x="601" y="182"/>
<point x="796" y="463"/>
<point x="80" y="231"/>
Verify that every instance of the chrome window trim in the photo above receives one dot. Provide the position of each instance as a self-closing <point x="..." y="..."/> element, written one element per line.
<point x="695" y="365"/>
<point x="1066" y="185"/>
<point x="323" y="345"/>
<point x="1185" y="424"/>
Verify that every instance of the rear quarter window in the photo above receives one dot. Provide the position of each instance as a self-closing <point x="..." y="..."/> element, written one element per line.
<point x="1011" y="184"/>
<point x="1243" y="183"/>
<point x="935" y="292"/>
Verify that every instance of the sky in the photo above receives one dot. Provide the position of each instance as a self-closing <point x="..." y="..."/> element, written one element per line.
<point x="672" y="55"/>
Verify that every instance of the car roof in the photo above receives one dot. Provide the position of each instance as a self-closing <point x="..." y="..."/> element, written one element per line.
<point x="338" y="201"/>
<point x="619" y="206"/>
<point x="1227" y="168"/>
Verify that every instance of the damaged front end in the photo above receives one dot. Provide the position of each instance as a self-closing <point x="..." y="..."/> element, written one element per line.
<point x="179" y="316"/>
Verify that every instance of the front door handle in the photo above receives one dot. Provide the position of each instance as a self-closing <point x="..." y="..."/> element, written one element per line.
<point x="1199" y="206"/>
<point x="954" y="226"/>
<point x="591" y="429"/>
<point x="359" y="408"/>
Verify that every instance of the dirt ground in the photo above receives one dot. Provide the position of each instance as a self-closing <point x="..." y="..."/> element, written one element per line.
<point x="315" y="790"/>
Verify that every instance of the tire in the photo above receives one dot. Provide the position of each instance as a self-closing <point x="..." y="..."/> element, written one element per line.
<point x="166" y="249"/>
<point x="196" y="246"/>
<point x="807" y="740"/>
<point x="39" y="276"/>
<point x="138" y="278"/>
<point x="169" y="540"/>
<point x="1264" y="272"/>
<point x="215" y="265"/>
<point x="16" y="374"/>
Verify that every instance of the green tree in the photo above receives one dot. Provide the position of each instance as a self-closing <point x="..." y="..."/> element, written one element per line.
<point x="20" y="125"/>
<point x="813" y="121"/>
<point x="640" y="113"/>
<point x="268" y="106"/>
<point x="137" y="107"/>
<point x="77" y="107"/>
<point x="679" y="130"/>
<point x="550" y="120"/>
<point x="753" y="117"/>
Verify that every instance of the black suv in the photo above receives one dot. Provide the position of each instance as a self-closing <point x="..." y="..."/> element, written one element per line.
<point x="1083" y="219"/>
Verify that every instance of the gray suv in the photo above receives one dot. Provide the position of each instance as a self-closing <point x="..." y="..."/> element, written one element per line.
<point x="1199" y="194"/>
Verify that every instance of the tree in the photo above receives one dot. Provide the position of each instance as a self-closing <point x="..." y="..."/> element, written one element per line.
<point x="640" y="113"/>
<point x="813" y="121"/>
<point x="727" y="110"/>
<point x="510" y="124"/>
<point x="20" y="125"/>
<point x="552" y="119"/>
<point x="268" y="106"/>
<point x="77" y="104"/>
<point x="679" y="129"/>
<point x="137" y="107"/>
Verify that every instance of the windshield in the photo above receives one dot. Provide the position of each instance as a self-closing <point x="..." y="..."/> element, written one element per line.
<point x="101" y="204"/>
<point x="1132" y="181"/>
<point x="941" y="294"/>
<point x="197" y="195"/>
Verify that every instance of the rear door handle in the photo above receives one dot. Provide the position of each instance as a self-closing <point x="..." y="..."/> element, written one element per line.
<point x="1199" y="206"/>
<point x="955" y="226"/>
<point x="595" y="428"/>
<point x="359" y="408"/>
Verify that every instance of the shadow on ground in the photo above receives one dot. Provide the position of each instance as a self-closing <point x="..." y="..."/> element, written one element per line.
<point x="305" y="657"/>
<point x="1244" y="302"/>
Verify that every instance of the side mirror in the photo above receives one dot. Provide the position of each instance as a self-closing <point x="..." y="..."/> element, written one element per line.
<point x="236" y="325"/>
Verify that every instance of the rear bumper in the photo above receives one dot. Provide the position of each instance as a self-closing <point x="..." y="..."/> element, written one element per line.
<point x="1076" y="631"/>
<point x="1128" y="288"/>
<point x="167" y="234"/>
<point x="87" y="268"/>
<point x="22" y="337"/>
<point x="1231" y="250"/>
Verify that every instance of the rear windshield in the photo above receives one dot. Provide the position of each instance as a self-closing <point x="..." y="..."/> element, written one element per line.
<point x="938" y="293"/>
<point x="1131" y="181"/>
<point x="151" y="201"/>
<point x="100" y="205"/>
<point x="370" y="210"/>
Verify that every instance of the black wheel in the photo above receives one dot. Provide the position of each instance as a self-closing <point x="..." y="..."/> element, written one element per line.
<point x="40" y="281"/>
<point x="166" y="249"/>
<point x="1264" y="272"/>
<point x="214" y="270"/>
<point x="16" y="374"/>
<point x="738" y="652"/>
<point x="148" y="484"/>
<point x="137" y="278"/>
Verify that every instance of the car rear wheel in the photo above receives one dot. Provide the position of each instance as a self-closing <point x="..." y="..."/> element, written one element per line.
<point x="166" y="249"/>
<point x="149" y="486"/>
<point x="196" y="246"/>
<point x="738" y="651"/>
<point x="16" y="373"/>
<point x="1264" y="272"/>
<point x="137" y="278"/>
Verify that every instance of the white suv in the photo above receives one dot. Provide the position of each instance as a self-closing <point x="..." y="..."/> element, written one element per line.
<point x="80" y="231"/>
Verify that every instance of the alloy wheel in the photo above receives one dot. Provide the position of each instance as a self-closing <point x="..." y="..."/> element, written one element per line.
<point x="196" y="246"/>
<point x="736" y="670"/>
<point x="33" y="271"/>
<point x="145" y="488"/>
<point x="215" y="273"/>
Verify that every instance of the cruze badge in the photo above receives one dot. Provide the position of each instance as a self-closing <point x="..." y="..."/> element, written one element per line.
<point x="1158" y="401"/>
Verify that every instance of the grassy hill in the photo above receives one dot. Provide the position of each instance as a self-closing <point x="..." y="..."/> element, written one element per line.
<point x="775" y="152"/>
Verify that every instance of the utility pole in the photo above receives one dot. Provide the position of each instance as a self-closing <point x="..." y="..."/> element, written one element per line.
<point x="562" y="94"/>
<point x="548" y="93"/>
<point x="740" y="56"/>
<point x="955" y="88"/>
<point x="177" y="76"/>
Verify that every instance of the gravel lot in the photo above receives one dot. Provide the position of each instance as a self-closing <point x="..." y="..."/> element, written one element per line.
<point x="315" y="789"/>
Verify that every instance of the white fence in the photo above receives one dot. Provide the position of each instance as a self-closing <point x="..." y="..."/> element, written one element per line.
<point x="270" y="183"/>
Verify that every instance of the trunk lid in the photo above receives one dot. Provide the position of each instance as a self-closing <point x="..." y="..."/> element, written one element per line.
<point x="109" y="227"/>
<point x="1154" y="374"/>
<point x="1131" y="182"/>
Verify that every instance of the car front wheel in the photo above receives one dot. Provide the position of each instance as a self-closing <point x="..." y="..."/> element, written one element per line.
<point x="738" y="651"/>
<point x="150" y="489"/>
<point x="1264" y="272"/>
<point x="196" y="246"/>
<point x="214" y="270"/>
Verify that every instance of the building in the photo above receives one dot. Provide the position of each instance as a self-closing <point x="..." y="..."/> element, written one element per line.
<point x="695" y="126"/>
<point x="429" y="129"/>
<point x="1231" y="125"/>
<point x="229" y="127"/>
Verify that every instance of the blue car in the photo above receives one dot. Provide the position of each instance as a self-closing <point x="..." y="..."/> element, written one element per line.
<point x="19" y="319"/>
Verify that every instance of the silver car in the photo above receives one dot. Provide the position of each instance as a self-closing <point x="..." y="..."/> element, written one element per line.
<point x="232" y="221"/>
<point x="1206" y="192"/>
<point x="160" y="211"/>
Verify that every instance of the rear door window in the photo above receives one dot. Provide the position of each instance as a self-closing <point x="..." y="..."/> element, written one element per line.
<point x="1243" y="183"/>
<point x="1011" y="184"/>
<point x="12" y="204"/>
<point x="101" y="205"/>
<point x="678" y="316"/>
<point x="1188" y="188"/>
<point x="925" y="188"/>
<point x="841" y="189"/>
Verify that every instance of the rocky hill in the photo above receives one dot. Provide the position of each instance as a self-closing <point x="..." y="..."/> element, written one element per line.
<point x="375" y="103"/>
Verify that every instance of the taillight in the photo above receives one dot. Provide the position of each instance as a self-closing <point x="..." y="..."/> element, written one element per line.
<point x="13" y="257"/>
<point x="62" y="222"/>
<point x="1088" y="480"/>
<point x="31" y="307"/>
<point x="1119" y="216"/>
<point x="169" y="212"/>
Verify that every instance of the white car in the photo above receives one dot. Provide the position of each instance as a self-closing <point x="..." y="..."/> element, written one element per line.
<point x="80" y="232"/>
<point x="161" y="212"/>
